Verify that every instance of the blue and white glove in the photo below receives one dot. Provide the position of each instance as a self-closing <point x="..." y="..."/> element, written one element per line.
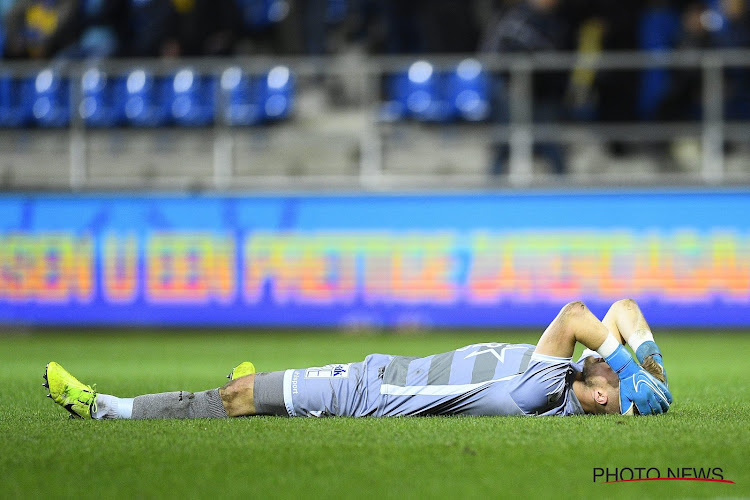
<point x="637" y="387"/>
<point x="649" y="348"/>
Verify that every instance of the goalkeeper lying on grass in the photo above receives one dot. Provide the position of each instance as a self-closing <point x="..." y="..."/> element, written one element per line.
<point x="480" y="379"/>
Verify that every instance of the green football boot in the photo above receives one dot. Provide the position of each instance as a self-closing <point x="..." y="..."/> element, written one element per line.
<point x="242" y="370"/>
<point x="64" y="389"/>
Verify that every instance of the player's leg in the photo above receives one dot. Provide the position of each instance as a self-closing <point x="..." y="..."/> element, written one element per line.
<point x="626" y="321"/>
<point x="254" y="394"/>
<point x="574" y="323"/>
<point x="237" y="398"/>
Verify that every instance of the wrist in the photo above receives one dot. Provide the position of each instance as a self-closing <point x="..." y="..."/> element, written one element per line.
<point x="609" y="346"/>
<point x="647" y="349"/>
<point x="640" y="337"/>
<point x="621" y="362"/>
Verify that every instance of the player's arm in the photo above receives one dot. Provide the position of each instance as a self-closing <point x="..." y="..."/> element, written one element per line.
<point x="576" y="323"/>
<point x="626" y="321"/>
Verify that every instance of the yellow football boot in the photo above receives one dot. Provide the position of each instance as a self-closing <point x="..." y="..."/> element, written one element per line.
<point x="64" y="389"/>
<point x="242" y="370"/>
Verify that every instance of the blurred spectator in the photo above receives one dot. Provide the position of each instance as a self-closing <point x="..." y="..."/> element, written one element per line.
<point x="683" y="97"/>
<point x="101" y="31"/>
<point x="203" y="28"/>
<point x="705" y="28"/>
<point x="405" y="32"/>
<point x="659" y="30"/>
<point x="5" y="7"/>
<point x="313" y="14"/>
<point x="530" y="26"/>
<point x="150" y="24"/>
<point x="434" y="26"/>
<point x="450" y="26"/>
<point x="152" y="28"/>
<point x="735" y="33"/>
<point x="610" y="25"/>
<point x="40" y="28"/>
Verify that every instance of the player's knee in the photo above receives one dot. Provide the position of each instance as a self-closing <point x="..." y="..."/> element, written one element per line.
<point x="573" y="309"/>
<point x="627" y="304"/>
<point x="234" y="389"/>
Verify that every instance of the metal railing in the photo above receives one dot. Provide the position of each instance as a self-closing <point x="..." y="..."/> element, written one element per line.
<point x="520" y="132"/>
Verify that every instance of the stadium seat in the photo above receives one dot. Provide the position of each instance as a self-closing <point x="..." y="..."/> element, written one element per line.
<point x="50" y="105"/>
<point x="416" y="94"/>
<point x="102" y="99"/>
<point x="241" y="105"/>
<point x="15" y="101"/>
<point x="193" y="97"/>
<point x="251" y="101"/>
<point x="468" y="91"/>
<point x="146" y="101"/>
<point x="277" y="93"/>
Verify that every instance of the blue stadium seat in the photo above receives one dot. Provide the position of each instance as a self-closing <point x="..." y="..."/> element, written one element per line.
<point x="423" y="94"/>
<point x="260" y="14"/>
<point x="416" y="93"/>
<point x="193" y="97"/>
<point x="277" y="93"/>
<point x="241" y="103"/>
<point x="15" y="101"/>
<point x="102" y="99"/>
<point x="468" y="91"/>
<point x="50" y="99"/>
<point x="146" y="99"/>
<point x="251" y="101"/>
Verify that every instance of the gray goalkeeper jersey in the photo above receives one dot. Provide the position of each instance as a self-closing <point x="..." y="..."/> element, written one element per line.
<point x="479" y="379"/>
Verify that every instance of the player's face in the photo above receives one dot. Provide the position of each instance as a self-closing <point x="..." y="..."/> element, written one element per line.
<point x="597" y="372"/>
<point x="594" y="366"/>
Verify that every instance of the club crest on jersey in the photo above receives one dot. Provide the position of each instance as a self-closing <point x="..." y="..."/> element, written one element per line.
<point x="328" y="371"/>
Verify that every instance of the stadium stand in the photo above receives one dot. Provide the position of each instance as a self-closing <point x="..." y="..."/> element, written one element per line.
<point x="357" y="118"/>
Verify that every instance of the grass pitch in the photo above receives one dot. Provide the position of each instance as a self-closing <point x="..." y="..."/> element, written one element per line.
<point x="44" y="454"/>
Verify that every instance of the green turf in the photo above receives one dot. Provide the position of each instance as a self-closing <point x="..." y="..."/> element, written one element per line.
<point x="43" y="453"/>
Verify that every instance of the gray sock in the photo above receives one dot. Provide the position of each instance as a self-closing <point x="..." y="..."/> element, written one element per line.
<point x="268" y="394"/>
<point x="206" y="404"/>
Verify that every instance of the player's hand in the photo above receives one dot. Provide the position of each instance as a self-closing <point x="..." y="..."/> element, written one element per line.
<point x="649" y="357"/>
<point x="649" y="396"/>
<point x="638" y="387"/>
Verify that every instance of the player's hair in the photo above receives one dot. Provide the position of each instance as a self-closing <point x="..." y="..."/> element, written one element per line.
<point x="653" y="368"/>
<point x="613" y="402"/>
<point x="588" y="365"/>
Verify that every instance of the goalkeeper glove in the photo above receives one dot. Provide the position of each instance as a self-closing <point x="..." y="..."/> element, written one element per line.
<point x="637" y="387"/>
<point x="649" y="348"/>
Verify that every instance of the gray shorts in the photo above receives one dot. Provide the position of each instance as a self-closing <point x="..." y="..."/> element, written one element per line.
<point x="342" y="389"/>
